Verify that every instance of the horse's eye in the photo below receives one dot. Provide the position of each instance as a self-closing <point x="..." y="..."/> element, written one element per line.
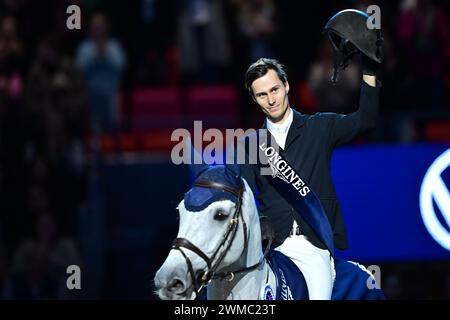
<point x="220" y="215"/>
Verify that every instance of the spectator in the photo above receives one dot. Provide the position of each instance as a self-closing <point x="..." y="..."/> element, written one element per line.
<point x="153" y="57"/>
<point x="423" y="33"/>
<point x="12" y="65"/>
<point x="256" y="23"/>
<point x="203" y="44"/>
<point x="102" y="60"/>
<point x="54" y="94"/>
<point x="40" y="264"/>
<point x="11" y="46"/>
<point x="31" y="276"/>
<point x="339" y="98"/>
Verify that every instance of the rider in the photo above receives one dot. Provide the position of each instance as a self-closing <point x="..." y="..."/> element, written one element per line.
<point x="307" y="141"/>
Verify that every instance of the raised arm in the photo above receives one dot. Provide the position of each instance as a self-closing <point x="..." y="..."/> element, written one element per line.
<point x="343" y="128"/>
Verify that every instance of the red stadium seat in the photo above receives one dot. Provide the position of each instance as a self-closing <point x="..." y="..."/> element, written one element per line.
<point x="215" y="105"/>
<point x="437" y="131"/>
<point x="305" y="99"/>
<point x="157" y="140"/>
<point x="155" y="108"/>
<point x="127" y="142"/>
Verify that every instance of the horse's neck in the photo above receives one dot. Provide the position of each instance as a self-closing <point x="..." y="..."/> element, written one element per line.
<point x="246" y="285"/>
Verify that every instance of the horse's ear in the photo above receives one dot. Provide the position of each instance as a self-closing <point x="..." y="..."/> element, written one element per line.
<point x="235" y="169"/>
<point x="231" y="161"/>
<point x="196" y="164"/>
<point x="198" y="169"/>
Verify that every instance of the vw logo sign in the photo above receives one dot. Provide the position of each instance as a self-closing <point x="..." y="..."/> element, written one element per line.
<point x="434" y="188"/>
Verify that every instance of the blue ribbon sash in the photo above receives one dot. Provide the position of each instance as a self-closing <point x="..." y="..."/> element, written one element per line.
<point x="294" y="189"/>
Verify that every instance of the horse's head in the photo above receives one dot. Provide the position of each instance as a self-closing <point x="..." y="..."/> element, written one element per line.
<point x="213" y="233"/>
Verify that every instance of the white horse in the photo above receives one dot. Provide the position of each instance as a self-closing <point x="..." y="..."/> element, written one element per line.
<point x="218" y="247"/>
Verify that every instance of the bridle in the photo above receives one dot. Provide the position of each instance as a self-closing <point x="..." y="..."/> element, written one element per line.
<point x="203" y="278"/>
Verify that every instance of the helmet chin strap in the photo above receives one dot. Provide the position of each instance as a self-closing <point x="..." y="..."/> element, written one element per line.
<point x="341" y="58"/>
<point x="342" y="55"/>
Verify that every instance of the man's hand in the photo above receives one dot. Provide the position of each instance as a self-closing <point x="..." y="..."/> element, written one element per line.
<point x="370" y="80"/>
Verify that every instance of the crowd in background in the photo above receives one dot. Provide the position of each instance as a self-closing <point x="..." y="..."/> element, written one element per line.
<point x="60" y="88"/>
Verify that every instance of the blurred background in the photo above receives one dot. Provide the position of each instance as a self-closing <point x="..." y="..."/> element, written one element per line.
<point x="86" y="118"/>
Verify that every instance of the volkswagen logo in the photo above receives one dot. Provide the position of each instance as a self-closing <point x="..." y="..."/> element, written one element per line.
<point x="434" y="189"/>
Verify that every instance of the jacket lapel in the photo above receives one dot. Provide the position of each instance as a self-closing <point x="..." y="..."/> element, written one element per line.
<point x="270" y="136"/>
<point x="295" y="130"/>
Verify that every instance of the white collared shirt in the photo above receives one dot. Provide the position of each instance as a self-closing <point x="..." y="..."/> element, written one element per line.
<point x="280" y="131"/>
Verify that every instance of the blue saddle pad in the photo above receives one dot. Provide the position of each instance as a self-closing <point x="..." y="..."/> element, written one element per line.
<point x="352" y="282"/>
<point x="291" y="284"/>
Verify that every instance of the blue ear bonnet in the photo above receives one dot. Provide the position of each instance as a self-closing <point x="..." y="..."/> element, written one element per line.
<point x="198" y="198"/>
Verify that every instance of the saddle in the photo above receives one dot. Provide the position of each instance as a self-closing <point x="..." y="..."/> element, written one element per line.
<point x="291" y="284"/>
<point x="351" y="278"/>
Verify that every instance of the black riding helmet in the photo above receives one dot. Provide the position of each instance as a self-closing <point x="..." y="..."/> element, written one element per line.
<point x="348" y="33"/>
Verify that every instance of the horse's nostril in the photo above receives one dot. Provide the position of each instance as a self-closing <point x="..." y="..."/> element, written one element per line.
<point x="176" y="285"/>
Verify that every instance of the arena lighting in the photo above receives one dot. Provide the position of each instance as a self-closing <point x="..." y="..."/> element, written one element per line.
<point x="433" y="187"/>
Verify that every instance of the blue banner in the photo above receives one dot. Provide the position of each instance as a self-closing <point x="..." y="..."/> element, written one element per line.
<point x="379" y="190"/>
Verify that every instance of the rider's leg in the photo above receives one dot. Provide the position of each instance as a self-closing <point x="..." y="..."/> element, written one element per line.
<point x="316" y="264"/>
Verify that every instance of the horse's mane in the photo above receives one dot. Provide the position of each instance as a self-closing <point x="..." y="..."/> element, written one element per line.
<point x="250" y="214"/>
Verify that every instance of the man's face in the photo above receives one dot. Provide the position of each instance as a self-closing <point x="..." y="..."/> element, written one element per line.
<point x="272" y="96"/>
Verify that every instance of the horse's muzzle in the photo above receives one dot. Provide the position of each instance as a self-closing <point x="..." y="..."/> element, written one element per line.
<point x="172" y="287"/>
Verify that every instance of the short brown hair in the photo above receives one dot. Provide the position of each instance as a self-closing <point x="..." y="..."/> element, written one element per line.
<point x="260" y="68"/>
